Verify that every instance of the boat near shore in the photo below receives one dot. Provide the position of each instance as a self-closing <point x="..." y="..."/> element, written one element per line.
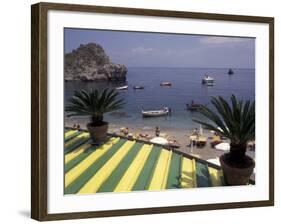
<point x="193" y="106"/>
<point x="208" y="80"/>
<point x="155" y="113"/>
<point x="122" y="88"/>
<point x="165" y="84"/>
<point x="138" y="87"/>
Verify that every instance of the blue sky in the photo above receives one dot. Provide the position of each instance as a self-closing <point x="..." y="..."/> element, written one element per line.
<point x="138" y="49"/>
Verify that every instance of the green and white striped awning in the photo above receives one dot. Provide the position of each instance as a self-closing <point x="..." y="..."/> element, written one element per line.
<point x="122" y="165"/>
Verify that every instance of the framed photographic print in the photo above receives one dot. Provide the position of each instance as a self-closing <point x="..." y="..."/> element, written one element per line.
<point x="139" y="111"/>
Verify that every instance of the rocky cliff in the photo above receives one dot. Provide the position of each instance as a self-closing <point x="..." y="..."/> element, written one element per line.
<point x="90" y="63"/>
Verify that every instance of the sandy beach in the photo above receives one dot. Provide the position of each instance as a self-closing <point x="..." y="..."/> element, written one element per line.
<point x="180" y="135"/>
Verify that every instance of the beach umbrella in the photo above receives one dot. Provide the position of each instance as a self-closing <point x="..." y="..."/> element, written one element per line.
<point x="159" y="140"/>
<point x="223" y="146"/>
<point x="214" y="161"/>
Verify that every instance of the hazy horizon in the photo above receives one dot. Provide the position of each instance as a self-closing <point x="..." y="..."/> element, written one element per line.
<point x="143" y="49"/>
<point x="187" y="67"/>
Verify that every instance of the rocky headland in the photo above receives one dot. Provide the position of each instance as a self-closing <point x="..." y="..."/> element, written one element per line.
<point x="89" y="62"/>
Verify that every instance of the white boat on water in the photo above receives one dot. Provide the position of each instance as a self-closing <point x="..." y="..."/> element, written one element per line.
<point x="155" y="113"/>
<point x="122" y="87"/>
<point x="165" y="84"/>
<point x="208" y="80"/>
<point x="209" y="84"/>
<point x="138" y="87"/>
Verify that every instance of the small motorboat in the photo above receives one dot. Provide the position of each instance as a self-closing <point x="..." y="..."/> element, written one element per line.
<point x="155" y="113"/>
<point x="122" y="88"/>
<point x="165" y="84"/>
<point x="230" y="72"/>
<point x="208" y="80"/>
<point x="193" y="106"/>
<point x="138" y="87"/>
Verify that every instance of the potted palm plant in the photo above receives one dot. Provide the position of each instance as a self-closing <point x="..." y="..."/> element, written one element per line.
<point x="95" y="104"/>
<point x="235" y="121"/>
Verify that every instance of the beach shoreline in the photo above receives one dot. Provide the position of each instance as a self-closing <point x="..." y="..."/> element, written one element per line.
<point x="179" y="134"/>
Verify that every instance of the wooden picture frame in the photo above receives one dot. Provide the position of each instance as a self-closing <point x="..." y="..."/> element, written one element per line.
<point x="39" y="108"/>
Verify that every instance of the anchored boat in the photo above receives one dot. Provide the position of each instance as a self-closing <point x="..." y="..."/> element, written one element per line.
<point x="230" y="72"/>
<point x="122" y="88"/>
<point x="138" y="87"/>
<point x="155" y="113"/>
<point x="208" y="80"/>
<point x="193" y="106"/>
<point x="165" y="84"/>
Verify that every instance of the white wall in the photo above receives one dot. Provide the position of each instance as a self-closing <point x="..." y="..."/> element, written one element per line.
<point x="15" y="111"/>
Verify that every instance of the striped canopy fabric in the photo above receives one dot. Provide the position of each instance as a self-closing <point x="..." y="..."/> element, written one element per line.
<point x="122" y="165"/>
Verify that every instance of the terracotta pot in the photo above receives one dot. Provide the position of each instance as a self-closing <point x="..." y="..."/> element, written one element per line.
<point x="234" y="175"/>
<point x="98" y="133"/>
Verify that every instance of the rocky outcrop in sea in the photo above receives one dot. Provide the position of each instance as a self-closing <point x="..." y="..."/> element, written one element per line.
<point x="90" y="63"/>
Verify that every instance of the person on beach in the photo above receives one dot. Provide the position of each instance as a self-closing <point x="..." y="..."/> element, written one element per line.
<point x="174" y="143"/>
<point x="130" y="136"/>
<point x="195" y="132"/>
<point x="143" y="135"/>
<point x="157" y="131"/>
<point x="126" y="131"/>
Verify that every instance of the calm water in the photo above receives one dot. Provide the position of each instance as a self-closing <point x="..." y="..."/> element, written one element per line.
<point x="186" y="86"/>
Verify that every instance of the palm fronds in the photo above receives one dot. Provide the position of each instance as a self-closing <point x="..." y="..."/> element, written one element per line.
<point x="93" y="103"/>
<point x="235" y="121"/>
